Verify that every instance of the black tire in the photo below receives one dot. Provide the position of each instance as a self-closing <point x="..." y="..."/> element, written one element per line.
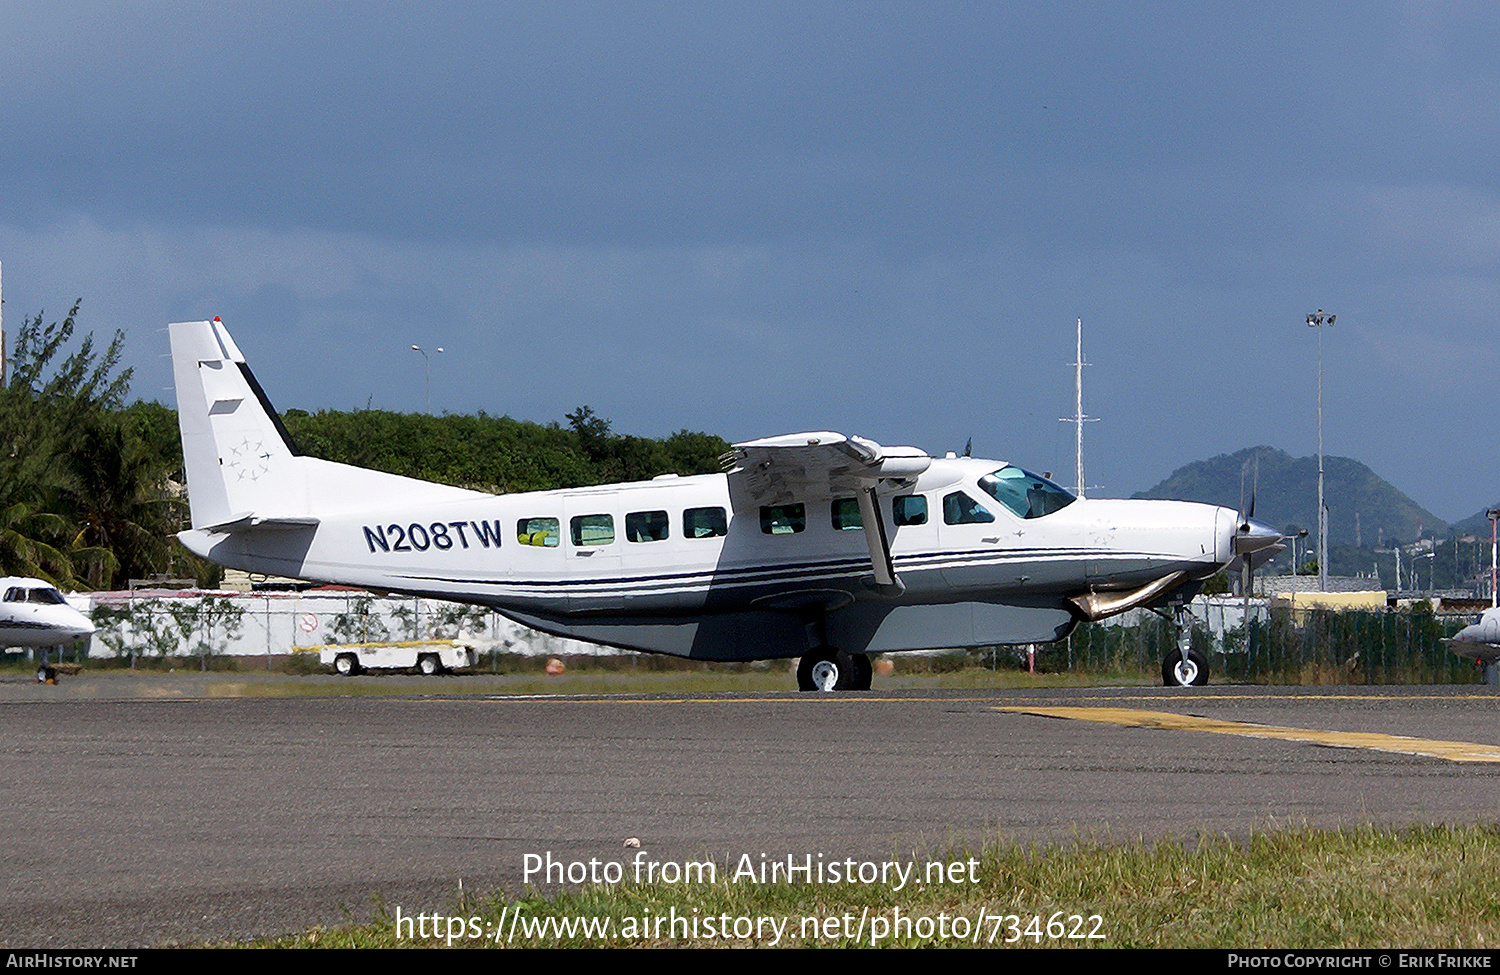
<point x="827" y="669"/>
<point x="46" y="675"/>
<point x="862" y="671"/>
<point x="428" y="664"/>
<point x="346" y="664"/>
<point x="1192" y="673"/>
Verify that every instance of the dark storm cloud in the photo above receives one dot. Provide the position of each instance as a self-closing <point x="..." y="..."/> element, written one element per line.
<point x="896" y="209"/>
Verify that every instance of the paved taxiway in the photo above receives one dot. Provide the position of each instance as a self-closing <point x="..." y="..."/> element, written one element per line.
<point x="144" y="821"/>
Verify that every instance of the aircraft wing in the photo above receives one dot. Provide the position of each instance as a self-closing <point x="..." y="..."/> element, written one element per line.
<point x="820" y="466"/>
<point x="814" y="467"/>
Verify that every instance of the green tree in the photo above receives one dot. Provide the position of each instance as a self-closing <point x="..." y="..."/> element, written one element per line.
<point x="83" y="500"/>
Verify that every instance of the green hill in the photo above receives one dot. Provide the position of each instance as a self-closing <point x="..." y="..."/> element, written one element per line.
<point x="1477" y="523"/>
<point x="1287" y="495"/>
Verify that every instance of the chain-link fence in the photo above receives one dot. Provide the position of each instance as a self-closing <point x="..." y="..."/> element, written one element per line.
<point x="275" y="625"/>
<point x="1318" y="647"/>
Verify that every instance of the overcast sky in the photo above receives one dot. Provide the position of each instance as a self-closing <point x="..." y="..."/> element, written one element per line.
<point x="754" y="219"/>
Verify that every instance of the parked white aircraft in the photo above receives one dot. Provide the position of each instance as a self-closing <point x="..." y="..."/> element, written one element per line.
<point x="814" y="545"/>
<point x="1480" y="641"/>
<point x="34" y="614"/>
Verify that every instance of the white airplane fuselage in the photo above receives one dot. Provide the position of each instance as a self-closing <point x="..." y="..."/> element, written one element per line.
<point x="34" y="614"/>
<point x="773" y="559"/>
<point x="1479" y="640"/>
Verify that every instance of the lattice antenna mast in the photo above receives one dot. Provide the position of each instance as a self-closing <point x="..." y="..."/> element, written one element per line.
<point x="1078" y="419"/>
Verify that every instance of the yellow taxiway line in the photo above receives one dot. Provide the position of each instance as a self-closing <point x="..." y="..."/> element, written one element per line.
<point x="1453" y="751"/>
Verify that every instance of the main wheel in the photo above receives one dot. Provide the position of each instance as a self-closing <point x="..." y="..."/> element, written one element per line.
<point x="827" y="669"/>
<point x="46" y="675"/>
<point x="428" y="664"/>
<point x="862" y="671"/>
<point x="1177" y="672"/>
<point x="347" y="664"/>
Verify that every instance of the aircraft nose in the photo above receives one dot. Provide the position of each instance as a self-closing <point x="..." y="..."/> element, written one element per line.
<point x="76" y="626"/>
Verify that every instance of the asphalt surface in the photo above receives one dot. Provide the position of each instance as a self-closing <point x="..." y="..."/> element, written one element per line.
<point x="160" y="811"/>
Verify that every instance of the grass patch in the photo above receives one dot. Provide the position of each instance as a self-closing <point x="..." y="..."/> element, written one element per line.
<point x="1364" y="887"/>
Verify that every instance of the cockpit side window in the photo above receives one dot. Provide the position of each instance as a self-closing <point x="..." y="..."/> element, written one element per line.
<point x="1025" y="494"/>
<point x="909" y="509"/>
<point x="960" y="509"/>
<point x="15" y="594"/>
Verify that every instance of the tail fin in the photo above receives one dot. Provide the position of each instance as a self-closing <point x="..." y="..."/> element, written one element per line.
<point x="237" y="453"/>
<point x="243" y="471"/>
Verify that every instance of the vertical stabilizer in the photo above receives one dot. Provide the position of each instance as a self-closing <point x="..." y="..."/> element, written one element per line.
<point x="240" y="461"/>
<point x="243" y="471"/>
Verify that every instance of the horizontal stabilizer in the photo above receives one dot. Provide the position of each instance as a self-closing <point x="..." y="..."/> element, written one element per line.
<point x="252" y="522"/>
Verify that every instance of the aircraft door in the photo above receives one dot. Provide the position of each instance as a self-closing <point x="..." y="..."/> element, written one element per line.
<point x="970" y="531"/>
<point x="591" y="545"/>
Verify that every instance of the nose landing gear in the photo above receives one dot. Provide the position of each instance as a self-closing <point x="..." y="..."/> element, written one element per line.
<point x="1184" y="667"/>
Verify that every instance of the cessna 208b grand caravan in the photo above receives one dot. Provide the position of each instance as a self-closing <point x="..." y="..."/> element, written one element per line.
<point x="815" y="545"/>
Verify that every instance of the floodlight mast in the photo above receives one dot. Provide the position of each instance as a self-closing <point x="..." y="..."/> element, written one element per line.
<point x="1493" y="515"/>
<point x="1317" y="320"/>
<point x="428" y="360"/>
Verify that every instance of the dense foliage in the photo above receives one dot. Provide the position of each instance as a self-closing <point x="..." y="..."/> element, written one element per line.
<point x="499" y="454"/>
<point x="85" y="499"/>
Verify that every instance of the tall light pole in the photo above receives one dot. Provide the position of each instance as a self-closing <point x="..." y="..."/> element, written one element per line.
<point x="1494" y="516"/>
<point x="428" y="360"/>
<point x="1317" y="320"/>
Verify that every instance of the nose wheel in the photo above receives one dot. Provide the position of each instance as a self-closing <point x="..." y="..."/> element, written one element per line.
<point x="828" y="669"/>
<point x="1184" y="667"/>
<point x="1177" y="671"/>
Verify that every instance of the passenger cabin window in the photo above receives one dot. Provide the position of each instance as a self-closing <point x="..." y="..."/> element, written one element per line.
<point x="845" y="514"/>
<point x="783" y="519"/>
<point x="960" y="509"/>
<point x="646" y="526"/>
<point x="1027" y="495"/>
<point x="909" y="509"/>
<point x="541" y="532"/>
<point x="704" y="523"/>
<point x="592" y="529"/>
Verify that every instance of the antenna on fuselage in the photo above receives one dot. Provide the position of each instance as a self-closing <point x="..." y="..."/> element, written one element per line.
<point x="1078" y="418"/>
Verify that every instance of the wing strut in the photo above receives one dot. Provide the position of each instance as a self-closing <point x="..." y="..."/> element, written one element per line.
<point x="886" y="582"/>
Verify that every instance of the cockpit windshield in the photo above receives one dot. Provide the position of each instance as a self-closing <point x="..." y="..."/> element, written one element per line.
<point x="1024" y="493"/>
<point x="47" y="596"/>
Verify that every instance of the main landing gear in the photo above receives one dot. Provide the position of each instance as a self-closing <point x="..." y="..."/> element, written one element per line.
<point x="828" y="669"/>
<point x="1184" y="667"/>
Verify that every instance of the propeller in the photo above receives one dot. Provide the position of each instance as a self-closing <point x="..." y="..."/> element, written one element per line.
<point x="1255" y="542"/>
